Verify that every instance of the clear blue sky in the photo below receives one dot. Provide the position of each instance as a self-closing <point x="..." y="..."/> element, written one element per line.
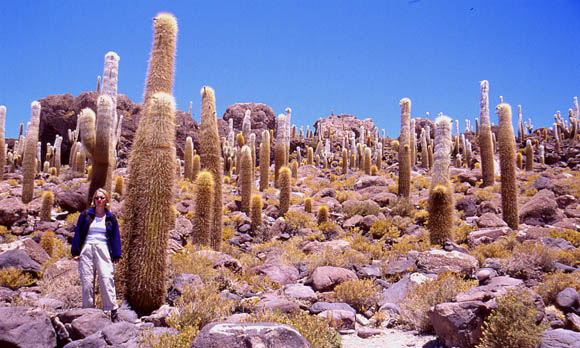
<point x="355" y="57"/>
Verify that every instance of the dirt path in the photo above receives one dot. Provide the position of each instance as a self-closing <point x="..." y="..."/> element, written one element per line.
<point x="390" y="338"/>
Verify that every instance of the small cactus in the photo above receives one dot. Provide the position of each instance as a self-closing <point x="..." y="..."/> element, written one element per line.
<point x="322" y="216"/>
<point x="310" y="156"/>
<point x="519" y="160"/>
<point x="344" y="162"/>
<point x="529" y="156"/>
<point x="279" y="160"/>
<point x="256" y="205"/>
<point x="119" y="183"/>
<point x="294" y="169"/>
<point x="203" y="220"/>
<point x="195" y="167"/>
<point x="308" y="205"/>
<point x="47" y="242"/>
<point x="285" y="175"/>
<point x="188" y="159"/>
<point x="374" y="170"/>
<point x="46" y="206"/>
<point x="367" y="161"/>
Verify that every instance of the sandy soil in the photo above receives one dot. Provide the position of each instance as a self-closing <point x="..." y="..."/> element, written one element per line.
<point x="390" y="338"/>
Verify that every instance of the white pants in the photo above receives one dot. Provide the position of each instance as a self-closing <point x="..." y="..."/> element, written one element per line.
<point x="96" y="255"/>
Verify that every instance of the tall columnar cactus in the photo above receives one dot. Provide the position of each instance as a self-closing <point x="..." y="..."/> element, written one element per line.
<point x="188" y="159"/>
<point x="344" y="162"/>
<point x="520" y="125"/>
<point x="404" y="150"/>
<point x="161" y="64"/>
<point x="284" y="190"/>
<point x="529" y="156"/>
<point x="265" y="160"/>
<point x="97" y="140"/>
<point x="247" y="124"/>
<point x="507" y="163"/>
<point x="485" y="137"/>
<point x="46" y="206"/>
<point x="440" y="202"/>
<point x="279" y="160"/>
<point x="195" y="167"/>
<point x="2" y="140"/>
<point x="310" y="156"/>
<point x="203" y="221"/>
<point x="413" y="142"/>
<point x="29" y="156"/>
<point x="57" y="153"/>
<point x="256" y="205"/>
<point x="541" y="154"/>
<point x="149" y="204"/>
<point x="246" y="178"/>
<point x="424" y="150"/>
<point x="211" y="159"/>
<point x="367" y="161"/>
<point x="294" y="169"/>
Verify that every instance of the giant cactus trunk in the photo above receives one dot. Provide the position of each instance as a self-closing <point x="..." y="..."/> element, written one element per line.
<point x="148" y="205"/>
<point x="29" y="156"/>
<point x="211" y="159"/>
<point x="405" y="149"/>
<point x="485" y="138"/>
<point x="507" y="163"/>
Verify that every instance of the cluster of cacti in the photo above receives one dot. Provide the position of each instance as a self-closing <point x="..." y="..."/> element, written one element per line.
<point x="440" y="203"/>
<point x="29" y="156"/>
<point x="149" y="198"/>
<point x="404" y="150"/>
<point x="485" y="138"/>
<point x="204" y="211"/>
<point x="211" y="159"/>
<point x="507" y="162"/>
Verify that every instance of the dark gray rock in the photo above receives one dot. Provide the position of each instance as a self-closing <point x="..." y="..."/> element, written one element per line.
<point x="88" y="324"/>
<point x="459" y="324"/>
<point x="25" y="327"/>
<point x="568" y="300"/>
<point x="120" y="333"/>
<point x="93" y="341"/>
<point x="542" y="209"/>
<point x="560" y="338"/>
<point x="11" y="210"/>
<point x="74" y="199"/>
<point x="179" y="284"/>
<point x="19" y="259"/>
<point x="467" y="205"/>
<point x="249" y="335"/>
<point x="319" y="307"/>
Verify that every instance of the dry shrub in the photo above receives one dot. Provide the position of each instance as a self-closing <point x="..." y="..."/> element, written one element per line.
<point x="528" y="260"/>
<point x="500" y="249"/>
<point x="71" y="219"/>
<point x="315" y="329"/>
<point x="14" y="278"/>
<point x="198" y="306"/>
<point x="182" y="339"/>
<point x="361" y="243"/>
<point x="65" y="287"/>
<point x="384" y="228"/>
<point x="329" y="257"/>
<point x="405" y="244"/>
<point x="362" y="208"/>
<point x="555" y="282"/>
<point x="513" y="323"/>
<point x="297" y="220"/>
<point x="430" y="293"/>
<point x="189" y="261"/>
<point x="362" y="295"/>
<point x="402" y="207"/>
<point x="345" y="195"/>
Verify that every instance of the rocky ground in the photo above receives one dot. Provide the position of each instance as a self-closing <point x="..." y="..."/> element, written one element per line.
<point x="368" y="273"/>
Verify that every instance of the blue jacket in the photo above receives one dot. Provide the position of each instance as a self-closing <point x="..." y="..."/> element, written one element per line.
<point x="82" y="229"/>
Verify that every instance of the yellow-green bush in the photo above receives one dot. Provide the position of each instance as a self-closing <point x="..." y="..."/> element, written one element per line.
<point x="362" y="208"/>
<point x="71" y="219"/>
<point x="568" y="234"/>
<point x="528" y="260"/>
<point x="430" y="293"/>
<point x="14" y="278"/>
<point x="297" y="220"/>
<point x="362" y="295"/>
<point x="402" y="207"/>
<point x="384" y="228"/>
<point x="181" y="340"/>
<point x="198" y="306"/>
<point x="513" y="323"/>
<point x="47" y="242"/>
<point x="315" y="329"/>
<point x="555" y="282"/>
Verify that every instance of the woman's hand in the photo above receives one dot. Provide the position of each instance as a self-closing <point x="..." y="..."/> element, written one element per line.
<point x="76" y="258"/>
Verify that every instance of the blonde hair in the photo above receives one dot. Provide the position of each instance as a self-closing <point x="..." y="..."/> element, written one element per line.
<point x="103" y="191"/>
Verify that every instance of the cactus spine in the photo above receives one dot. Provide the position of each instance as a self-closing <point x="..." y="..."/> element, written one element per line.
<point x="485" y="137"/>
<point x="256" y="205"/>
<point x="29" y="156"/>
<point x="440" y="202"/>
<point x="204" y="189"/>
<point x="507" y="162"/>
<point x="2" y="140"/>
<point x="284" y="190"/>
<point x="404" y="150"/>
<point x="211" y="159"/>
<point x="46" y="206"/>
<point x="188" y="159"/>
<point x="265" y="160"/>
<point x="246" y="178"/>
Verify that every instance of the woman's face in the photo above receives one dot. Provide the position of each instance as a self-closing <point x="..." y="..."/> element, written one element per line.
<point x="100" y="200"/>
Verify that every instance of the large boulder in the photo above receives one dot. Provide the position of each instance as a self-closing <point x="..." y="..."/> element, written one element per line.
<point x="19" y="259"/>
<point x="459" y="324"/>
<point x="73" y="199"/>
<point x="262" y="117"/>
<point x="24" y="327"/>
<point x="560" y="338"/>
<point x="542" y="209"/>
<point x="280" y="274"/>
<point x="249" y="335"/>
<point x="326" y="278"/>
<point x="89" y="322"/>
<point x="437" y="261"/>
<point x="11" y="210"/>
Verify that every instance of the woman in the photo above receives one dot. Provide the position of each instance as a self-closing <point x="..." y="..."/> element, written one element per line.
<point x="97" y="245"/>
